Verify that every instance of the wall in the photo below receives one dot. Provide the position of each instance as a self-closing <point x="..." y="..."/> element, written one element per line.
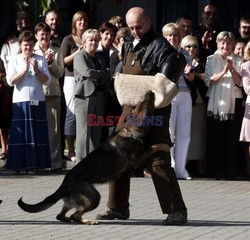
<point x="160" y="11"/>
<point x="107" y="9"/>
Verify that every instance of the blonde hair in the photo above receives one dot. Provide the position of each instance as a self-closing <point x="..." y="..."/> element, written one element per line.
<point x="116" y="20"/>
<point x="189" y="40"/>
<point x="77" y="15"/>
<point x="170" y="28"/>
<point x="247" y="52"/>
<point x="223" y="35"/>
<point x="122" y="32"/>
<point x="89" y="33"/>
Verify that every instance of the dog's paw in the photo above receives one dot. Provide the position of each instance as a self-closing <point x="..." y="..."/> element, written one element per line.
<point x="90" y="222"/>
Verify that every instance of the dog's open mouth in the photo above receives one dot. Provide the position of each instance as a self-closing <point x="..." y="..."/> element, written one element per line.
<point x="142" y="111"/>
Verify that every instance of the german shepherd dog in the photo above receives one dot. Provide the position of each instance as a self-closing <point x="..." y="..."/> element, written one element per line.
<point x="116" y="155"/>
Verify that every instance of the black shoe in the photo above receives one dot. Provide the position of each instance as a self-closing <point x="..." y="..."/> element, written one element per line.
<point x="176" y="218"/>
<point x="56" y="170"/>
<point x="110" y="214"/>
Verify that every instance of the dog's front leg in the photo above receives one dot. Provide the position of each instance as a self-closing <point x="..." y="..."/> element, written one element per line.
<point x="146" y="154"/>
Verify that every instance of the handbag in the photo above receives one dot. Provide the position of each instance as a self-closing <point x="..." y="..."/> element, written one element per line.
<point x="130" y="89"/>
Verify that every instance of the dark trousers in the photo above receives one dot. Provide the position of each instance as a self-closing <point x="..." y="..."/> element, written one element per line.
<point x="113" y="109"/>
<point x="222" y="146"/>
<point x="159" y="165"/>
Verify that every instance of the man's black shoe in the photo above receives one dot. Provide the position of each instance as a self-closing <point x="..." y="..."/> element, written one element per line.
<point x="176" y="218"/>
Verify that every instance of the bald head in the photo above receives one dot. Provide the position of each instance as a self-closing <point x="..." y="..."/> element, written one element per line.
<point x="138" y="22"/>
<point x="135" y="12"/>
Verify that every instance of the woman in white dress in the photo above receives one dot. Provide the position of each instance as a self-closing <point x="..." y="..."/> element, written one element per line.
<point x="72" y="44"/>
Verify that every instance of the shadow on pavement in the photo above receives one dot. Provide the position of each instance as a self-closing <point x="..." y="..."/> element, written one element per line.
<point x="135" y="222"/>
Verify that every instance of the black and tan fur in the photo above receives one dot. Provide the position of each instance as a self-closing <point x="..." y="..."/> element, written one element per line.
<point x="108" y="161"/>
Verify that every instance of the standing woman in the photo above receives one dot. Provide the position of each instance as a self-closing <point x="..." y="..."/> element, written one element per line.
<point x="224" y="105"/>
<point x="245" y="129"/>
<point x="171" y="32"/>
<point x="28" y="147"/>
<point x="52" y="92"/>
<point x="181" y="109"/>
<point x="198" y="88"/>
<point x="9" y="48"/>
<point x="5" y="110"/>
<point x="105" y="49"/>
<point x="71" y="44"/>
<point x="90" y="74"/>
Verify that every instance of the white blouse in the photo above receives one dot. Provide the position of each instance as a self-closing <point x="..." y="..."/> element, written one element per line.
<point x="9" y="49"/>
<point x="29" y="88"/>
<point x="209" y="73"/>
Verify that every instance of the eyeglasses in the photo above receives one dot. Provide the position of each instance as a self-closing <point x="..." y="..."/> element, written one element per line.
<point x="208" y="13"/>
<point x="191" y="46"/>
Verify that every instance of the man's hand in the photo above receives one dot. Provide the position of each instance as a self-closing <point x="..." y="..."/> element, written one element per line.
<point x="173" y="68"/>
<point x="50" y="56"/>
<point x="189" y="72"/>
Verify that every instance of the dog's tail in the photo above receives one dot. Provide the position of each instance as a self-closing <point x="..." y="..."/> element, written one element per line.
<point x="43" y="205"/>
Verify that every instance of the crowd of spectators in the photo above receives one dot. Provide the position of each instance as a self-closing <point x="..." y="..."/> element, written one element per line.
<point x="50" y="84"/>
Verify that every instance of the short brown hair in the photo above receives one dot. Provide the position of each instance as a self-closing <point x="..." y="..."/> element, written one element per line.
<point x="107" y="26"/>
<point x="27" y="36"/>
<point x="42" y="26"/>
<point x="244" y="19"/>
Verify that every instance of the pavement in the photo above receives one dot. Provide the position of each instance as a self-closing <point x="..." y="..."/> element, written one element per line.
<point x="216" y="210"/>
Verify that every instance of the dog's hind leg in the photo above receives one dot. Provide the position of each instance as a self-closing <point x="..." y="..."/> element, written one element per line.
<point x="62" y="215"/>
<point x="85" y="201"/>
<point x="77" y="217"/>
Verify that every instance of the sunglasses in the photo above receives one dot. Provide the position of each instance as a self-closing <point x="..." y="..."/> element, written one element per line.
<point x="208" y="13"/>
<point x="191" y="46"/>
